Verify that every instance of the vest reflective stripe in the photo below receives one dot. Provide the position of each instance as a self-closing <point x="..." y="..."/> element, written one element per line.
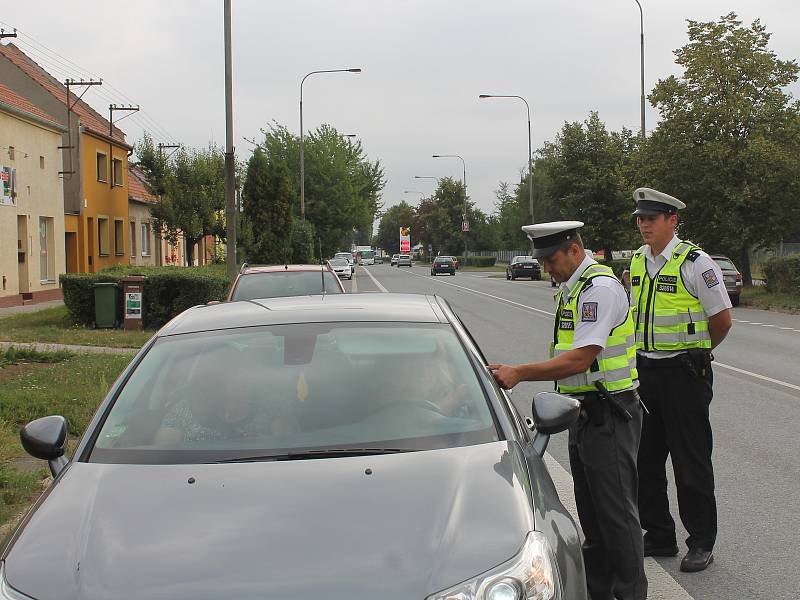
<point x="666" y="315"/>
<point x="615" y="365"/>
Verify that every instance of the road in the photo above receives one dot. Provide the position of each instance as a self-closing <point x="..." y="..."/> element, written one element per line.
<point x="755" y="413"/>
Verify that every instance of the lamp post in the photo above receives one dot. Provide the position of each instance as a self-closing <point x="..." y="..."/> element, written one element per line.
<point x="464" y="181"/>
<point x="421" y="194"/>
<point x="302" y="136"/>
<point x="641" y="37"/>
<point x="530" y="153"/>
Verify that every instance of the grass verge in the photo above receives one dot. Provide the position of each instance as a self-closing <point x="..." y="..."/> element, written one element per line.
<point x="759" y="297"/>
<point x="53" y="325"/>
<point x="67" y="384"/>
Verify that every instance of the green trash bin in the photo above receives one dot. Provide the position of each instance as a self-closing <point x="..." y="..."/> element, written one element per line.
<point x="105" y="305"/>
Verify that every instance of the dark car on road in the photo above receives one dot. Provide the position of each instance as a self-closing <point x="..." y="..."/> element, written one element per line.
<point x="731" y="276"/>
<point x="524" y="266"/>
<point x="443" y="264"/>
<point x="338" y="447"/>
<point x="283" y="280"/>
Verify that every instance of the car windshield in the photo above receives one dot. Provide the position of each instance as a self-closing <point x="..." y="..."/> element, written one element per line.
<point x="338" y="262"/>
<point x="269" y="391"/>
<point x="277" y="284"/>
<point x="444" y="261"/>
<point x="522" y="259"/>
<point x="725" y="264"/>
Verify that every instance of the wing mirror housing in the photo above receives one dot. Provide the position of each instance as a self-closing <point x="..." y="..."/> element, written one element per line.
<point x="552" y="413"/>
<point x="47" y="438"/>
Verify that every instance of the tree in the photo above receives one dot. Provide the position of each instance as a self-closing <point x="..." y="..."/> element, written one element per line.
<point x="266" y="203"/>
<point x="395" y="217"/>
<point x="728" y="143"/>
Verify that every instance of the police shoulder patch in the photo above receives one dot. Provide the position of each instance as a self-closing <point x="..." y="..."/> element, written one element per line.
<point x="589" y="311"/>
<point x="710" y="278"/>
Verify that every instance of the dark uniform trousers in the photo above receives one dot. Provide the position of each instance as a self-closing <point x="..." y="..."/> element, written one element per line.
<point x="677" y="392"/>
<point x="602" y="456"/>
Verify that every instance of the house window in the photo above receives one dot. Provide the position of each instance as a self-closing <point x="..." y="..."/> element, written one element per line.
<point x="119" y="237"/>
<point x="46" y="249"/>
<point x="103" y="244"/>
<point x="145" y="239"/>
<point x="102" y="167"/>
<point x="11" y="153"/>
<point x="41" y="162"/>
<point x="116" y="173"/>
<point x="133" y="238"/>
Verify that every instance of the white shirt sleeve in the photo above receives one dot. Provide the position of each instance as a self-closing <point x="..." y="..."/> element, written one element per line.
<point x="703" y="278"/>
<point x="601" y="308"/>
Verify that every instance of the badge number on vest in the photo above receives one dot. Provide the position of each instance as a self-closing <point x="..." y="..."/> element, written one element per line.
<point x="667" y="284"/>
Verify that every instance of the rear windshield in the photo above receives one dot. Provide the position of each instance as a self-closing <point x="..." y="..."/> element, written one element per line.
<point x="278" y="284"/>
<point x="725" y="264"/>
<point x="444" y="261"/>
<point x="264" y="391"/>
<point x="523" y="259"/>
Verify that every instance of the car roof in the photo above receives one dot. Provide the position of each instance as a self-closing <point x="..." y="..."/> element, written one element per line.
<point x="355" y="308"/>
<point x="280" y="268"/>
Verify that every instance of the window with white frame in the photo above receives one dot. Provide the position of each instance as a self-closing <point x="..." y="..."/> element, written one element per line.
<point x="102" y="167"/>
<point x="116" y="171"/>
<point x="46" y="249"/>
<point x="145" y="239"/>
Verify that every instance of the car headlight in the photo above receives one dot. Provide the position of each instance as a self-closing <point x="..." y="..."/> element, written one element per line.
<point x="531" y="575"/>
<point x="6" y="593"/>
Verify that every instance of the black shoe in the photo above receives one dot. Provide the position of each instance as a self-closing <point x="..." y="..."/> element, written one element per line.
<point x="697" y="559"/>
<point x="651" y="549"/>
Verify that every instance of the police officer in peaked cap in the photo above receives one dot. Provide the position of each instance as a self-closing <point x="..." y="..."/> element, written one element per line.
<point x="681" y="311"/>
<point x="593" y="358"/>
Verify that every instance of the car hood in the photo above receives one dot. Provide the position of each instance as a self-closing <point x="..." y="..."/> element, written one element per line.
<point x="298" y="530"/>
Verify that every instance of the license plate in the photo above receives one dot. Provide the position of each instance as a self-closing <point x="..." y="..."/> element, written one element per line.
<point x="528" y="267"/>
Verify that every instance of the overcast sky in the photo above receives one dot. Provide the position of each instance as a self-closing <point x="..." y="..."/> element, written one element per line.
<point x="424" y="64"/>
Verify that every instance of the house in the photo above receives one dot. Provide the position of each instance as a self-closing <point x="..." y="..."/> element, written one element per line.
<point x="31" y="202"/>
<point x="145" y="245"/>
<point x="95" y="166"/>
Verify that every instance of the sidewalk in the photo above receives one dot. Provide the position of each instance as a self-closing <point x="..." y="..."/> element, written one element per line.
<point x="46" y="347"/>
<point x="13" y="310"/>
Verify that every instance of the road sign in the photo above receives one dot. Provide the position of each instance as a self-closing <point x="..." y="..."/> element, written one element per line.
<point x="465" y="226"/>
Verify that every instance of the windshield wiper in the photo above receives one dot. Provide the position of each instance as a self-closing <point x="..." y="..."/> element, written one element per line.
<point x="310" y="454"/>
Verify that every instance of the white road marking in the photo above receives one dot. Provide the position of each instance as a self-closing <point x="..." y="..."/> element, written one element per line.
<point x="375" y="281"/>
<point x="661" y="585"/>
<point x="766" y="325"/>
<point x="353" y="281"/>
<point x="785" y="384"/>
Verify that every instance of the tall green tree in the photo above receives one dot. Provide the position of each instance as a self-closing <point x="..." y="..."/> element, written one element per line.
<point x="728" y="143"/>
<point x="393" y="218"/>
<point x="266" y="202"/>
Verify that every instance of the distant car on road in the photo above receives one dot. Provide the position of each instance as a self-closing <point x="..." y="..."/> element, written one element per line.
<point x="453" y="258"/>
<point x="443" y="264"/>
<point x="284" y="280"/>
<point x="731" y="276"/>
<point x="355" y="446"/>
<point x="348" y="256"/>
<point x="524" y="266"/>
<point x="341" y="267"/>
<point x="393" y="262"/>
<point x="404" y="260"/>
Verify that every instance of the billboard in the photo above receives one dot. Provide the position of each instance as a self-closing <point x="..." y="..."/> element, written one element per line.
<point x="8" y="186"/>
<point x="405" y="240"/>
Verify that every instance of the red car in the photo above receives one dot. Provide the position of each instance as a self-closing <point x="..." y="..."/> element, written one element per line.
<point x="286" y="280"/>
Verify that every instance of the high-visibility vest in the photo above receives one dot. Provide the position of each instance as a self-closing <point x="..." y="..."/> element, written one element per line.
<point x="615" y="365"/>
<point x="668" y="317"/>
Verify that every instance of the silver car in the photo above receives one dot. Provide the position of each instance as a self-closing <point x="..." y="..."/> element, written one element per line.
<point x="404" y="260"/>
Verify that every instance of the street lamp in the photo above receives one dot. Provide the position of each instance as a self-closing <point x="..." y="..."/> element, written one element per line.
<point x="641" y="29"/>
<point x="302" y="136"/>
<point x="464" y="181"/>
<point x="421" y="194"/>
<point x="426" y="177"/>
<point x="530" y="153"/>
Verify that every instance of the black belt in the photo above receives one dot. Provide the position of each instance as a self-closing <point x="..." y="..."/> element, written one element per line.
<point x="654" y="363"/>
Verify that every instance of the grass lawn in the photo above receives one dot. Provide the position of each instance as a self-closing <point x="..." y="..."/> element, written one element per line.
<point x="34" y="385"/>
<point x="759" y="297"/>
<point x="53" y="325"/>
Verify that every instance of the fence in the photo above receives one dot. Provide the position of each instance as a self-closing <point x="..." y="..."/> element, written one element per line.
<point x="502" y="256"/>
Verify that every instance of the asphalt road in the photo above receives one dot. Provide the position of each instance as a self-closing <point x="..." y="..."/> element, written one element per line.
<point x="755" y="414"/>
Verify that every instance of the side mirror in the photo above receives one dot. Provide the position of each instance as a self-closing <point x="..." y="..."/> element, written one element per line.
<point x="47" y="438"/>
<point x="552" y="413"/>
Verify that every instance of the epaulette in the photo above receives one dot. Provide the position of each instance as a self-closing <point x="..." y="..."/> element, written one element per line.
<point x="692" y="256"/>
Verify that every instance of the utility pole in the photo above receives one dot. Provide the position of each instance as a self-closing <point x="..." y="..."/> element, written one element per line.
<point x="230" y="182"/>
<point x="130" y="109"/>
<point x="641" y="29"/>
<point x="3" y="34"/>
<point x="162" y="147"/>
<point x="68" y="83"/>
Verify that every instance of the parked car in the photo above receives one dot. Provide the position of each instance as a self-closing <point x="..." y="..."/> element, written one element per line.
<point x="348" y="256"/>
<point x="341" y="267"/>
<point x="285" y="280"/>
<point x="731" y="276"/>
<point x="524" y="266"/>
<point x="443" y="264"/>
<point x="404" y="260"/>
<point x="393" y="262"/>
<point x="246" y="441"/>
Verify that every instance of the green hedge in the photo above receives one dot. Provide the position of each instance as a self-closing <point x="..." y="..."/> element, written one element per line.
<point x="783" y="274"/>
<point x="618" y="265"/>
<point x="476" y="261"/>
<point x="167" y="291"/>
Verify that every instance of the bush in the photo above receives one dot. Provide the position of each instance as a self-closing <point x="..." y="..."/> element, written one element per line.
<point x="783" y="274"/>
<point x="476" y="261"/>
<point x="618" y="265"/>
<point x="167" y="291"/>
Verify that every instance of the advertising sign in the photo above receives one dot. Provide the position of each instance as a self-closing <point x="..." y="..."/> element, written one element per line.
<point x="405" y="240"/>
<point x="133" y="305"/>
<point x="8" y="186"/>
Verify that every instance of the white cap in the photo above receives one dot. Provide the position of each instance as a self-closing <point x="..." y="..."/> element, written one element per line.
<point x="653" y="202"/>
<point x="548" y="237"/>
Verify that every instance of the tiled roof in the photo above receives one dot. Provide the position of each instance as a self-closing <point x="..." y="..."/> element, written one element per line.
<point x="14" y="100"/>
<point x="88" y="116"/>
<point x="137" y="186"/>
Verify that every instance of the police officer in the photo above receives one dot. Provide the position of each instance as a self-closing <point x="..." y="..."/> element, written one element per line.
<point x="681" y="311"/>
<point x="593" y="359"/>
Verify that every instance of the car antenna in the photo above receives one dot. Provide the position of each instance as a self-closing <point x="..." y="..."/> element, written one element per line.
<point x="321" y="267"/>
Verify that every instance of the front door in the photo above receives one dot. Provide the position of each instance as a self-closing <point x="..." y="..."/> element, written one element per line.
<point x="23" y="254"/>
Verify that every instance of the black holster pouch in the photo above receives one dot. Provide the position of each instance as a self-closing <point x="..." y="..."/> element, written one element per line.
<point x="698" y="361"/>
